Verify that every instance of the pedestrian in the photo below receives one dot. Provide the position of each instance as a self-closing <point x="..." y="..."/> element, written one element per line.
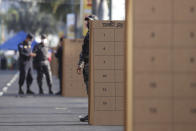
<point x="42" y="64"/>
<point x="25" y="64"/>
<point x="58" y="55"/>
<point x="84" y="58"/>
<point x="3" y="62"/>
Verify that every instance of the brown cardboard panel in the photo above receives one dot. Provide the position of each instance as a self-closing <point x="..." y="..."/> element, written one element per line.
<point x="104" y="76"/>
<point x="185" y="35"/>
<point x="152" y="60"/>
<point x="120" y="35"/>
<point x="119" y="76"/>
<point x="154" y="127"/>
<point x="74" y="89"/>
<point x="184" y="60"/>
<point x="76" y="75"/>
<point x="120" y="103"/>
<point x="104" y="24"/>
<point x="151" y="10"/>
<point x="185" y="127"/>
<point x="185" y="10"/>
<point x="158" y="85"/>
<point x="71" y="75"/>
<point x="68" y="65"/>
<point x="119" y="62"/>
<point x="148" y="111"/>
<point x="104" y="48"/>
<point x="107" y="74"/>
<point x="54" y="65"/>
<point x="68" y="58"/>
<point x="68" y="76"/>
<point x="185" y="111"/>
<point x="120" y="89"/>
<point x="104" y="89"/>
<point x="185" y="85"/>
<point x="71" y="52"/>
<point x="104" y="62"/>
<point x="153" y="35"/>
<point x="104" y="103"/>
<point x="119" y="48"/>
<point x="69" y="69"/>
<point x="109" y="118"/>
<point x="101" y="35"/>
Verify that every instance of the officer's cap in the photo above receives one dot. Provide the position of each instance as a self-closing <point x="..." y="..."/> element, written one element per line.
<point x="43" y="36"/>
<point x="91" y="17"/>
<point x="29" y="35"/>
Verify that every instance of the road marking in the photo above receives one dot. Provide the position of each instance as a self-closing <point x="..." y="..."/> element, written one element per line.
<point x="4" y="90"/>
<point x="9" y="84"/>
<point x="61" y="108"/>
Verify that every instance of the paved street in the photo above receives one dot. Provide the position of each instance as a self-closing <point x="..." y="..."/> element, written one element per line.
<point x="41" y="113"/>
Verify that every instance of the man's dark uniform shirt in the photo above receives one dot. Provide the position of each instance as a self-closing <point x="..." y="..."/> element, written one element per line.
<point x="25" y="63"/>
<point x="41" y="53"/>
<point x="84" y="57"/>
<point x="58" y="55"/>
<point x="42" y="65"/>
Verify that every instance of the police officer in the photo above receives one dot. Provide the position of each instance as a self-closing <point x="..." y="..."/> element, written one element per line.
<point x="25" y="64"/>
<point x="59" y="54"/>
<point x="84" y="58"/>
<point x="42" y="64"/>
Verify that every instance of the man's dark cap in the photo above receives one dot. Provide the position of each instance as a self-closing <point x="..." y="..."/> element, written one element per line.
<point x="29" y="35"/>
<point x="91" y="17"/>
<point x="43" y="36"/>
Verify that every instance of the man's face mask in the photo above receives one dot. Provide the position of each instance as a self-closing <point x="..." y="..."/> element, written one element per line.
<point x="44" y="41"/>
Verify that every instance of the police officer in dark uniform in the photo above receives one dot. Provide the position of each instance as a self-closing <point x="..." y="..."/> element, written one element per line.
<point x="84" y="58"/>
<point x="25" y="64"/>
<point x="42" y="64"/>
<point x="58" y="55"/>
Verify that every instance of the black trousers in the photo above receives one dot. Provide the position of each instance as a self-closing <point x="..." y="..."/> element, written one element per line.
<point x="44" y="69"/>
<point x="86" y="76"/>
<point x="60" y="73"/>
<point x="25" y="74"/>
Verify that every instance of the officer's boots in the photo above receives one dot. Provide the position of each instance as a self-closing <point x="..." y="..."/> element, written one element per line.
<point x="20" y="92"/>
<point x="84" y="119"/>
<point x="59" y="93"/>
<point x="29" y="91"/>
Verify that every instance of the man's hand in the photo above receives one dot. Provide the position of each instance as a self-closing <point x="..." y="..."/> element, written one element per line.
<point x="79" y="70"/>
<point x="32" y="54"/>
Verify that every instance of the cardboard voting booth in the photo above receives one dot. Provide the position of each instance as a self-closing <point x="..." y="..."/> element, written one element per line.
<point x="164" y="65"/>
<point x="73" y="84"/>
<point x="107" y="72"/>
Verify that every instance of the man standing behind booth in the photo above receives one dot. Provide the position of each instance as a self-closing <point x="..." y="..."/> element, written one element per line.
<point x="58" y="55"/>
<point x="25" y="64"/>
<point x="84" y="58"/>
<point x="42" y="64"/>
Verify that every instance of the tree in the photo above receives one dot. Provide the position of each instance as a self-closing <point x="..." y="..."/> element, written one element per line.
<point x="23" y="17"/>
<point x="39" y="17"/>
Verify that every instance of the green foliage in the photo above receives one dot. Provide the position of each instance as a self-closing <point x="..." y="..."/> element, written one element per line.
<point x="38" y="17"/>
<point x="59" y="8"/>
